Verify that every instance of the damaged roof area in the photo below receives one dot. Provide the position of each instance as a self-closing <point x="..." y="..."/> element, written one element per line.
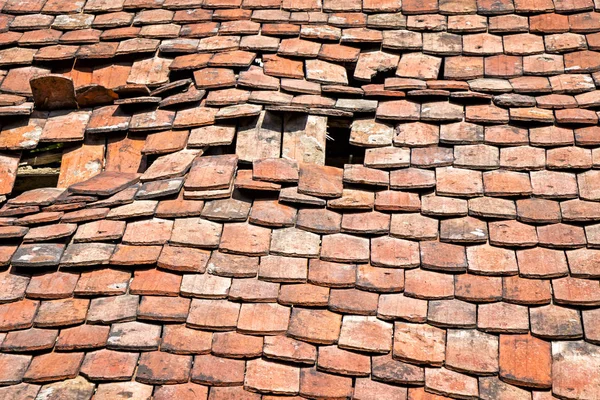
<point x="285" y="199"/>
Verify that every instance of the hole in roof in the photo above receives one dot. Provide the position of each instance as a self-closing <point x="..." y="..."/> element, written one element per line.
<point x="338" y="150"/>
<point x="39" y="168"/>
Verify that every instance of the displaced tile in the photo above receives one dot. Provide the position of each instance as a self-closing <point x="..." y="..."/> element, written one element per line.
<point x="65" y="126"/>
<point x="20" y="135"/>
<point x="304" y="138"/>
<point x="211" y="172"/>
<point x="105" y="183"/>
<point x="325" y="72"/>
<point x="259" y="137"/>
<point x="151" y="71"/>
<point x="82" y="162"/>
<point x="53" y="92"/>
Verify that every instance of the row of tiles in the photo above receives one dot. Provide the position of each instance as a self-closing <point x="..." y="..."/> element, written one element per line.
<point x="409" y="347"/>
<point x="256" y="84"/>
<point x="463" y="351"/>
<point x="288" y="75"/>
<point x="387" y="294"/>
<point x="307" y="211"/>
<point x="224" y="51"/>
<point x="409" y="7"/>
<point x="468" y="40"/>
<point x="508" y="175"/>
<point x="309" y="383"/>
<point x="313" y="325"/>
<point x="292" y="283"/>
<point x="388" y="251"/>
<point x="432" y="145"/>
<point x="205" y="173"/>
<point x="342" y="214"/>
<point x="26" y="133"/>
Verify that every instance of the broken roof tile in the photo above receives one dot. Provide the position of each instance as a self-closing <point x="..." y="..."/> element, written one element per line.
<point x="325" y="72"/>
<point x="209" y="173"/>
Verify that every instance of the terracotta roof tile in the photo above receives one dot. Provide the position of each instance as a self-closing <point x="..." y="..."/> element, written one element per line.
<point x="180" y="340"/>
<point x="526" y="291"/>
<point x="304" y="295"/>
<point x="388" y="370"/>
<point x="155" y="282"/>
<point x="133" y="336"/>
<point x="245" y="239"/>
<point x="63" y="312"/>
<point x="106" y="310"/>
<point x="52" y="286"/>
<point x="379" y="279"/>
<point x="286" y="379"/>
<point x="53" y="366"/>
<point x="135" y="255"/>
<point x="115" y="390"/>
<point x="213" y="314"/>
<point x="159" y="367"/>
<point x="318" y="384"/>
<point x="231" y="265"/>
<point x="478" y="288"/>
<point x="29" y="340"/>
<point x="82" y="337"/>
<point x="103" y="282"/>
<point x="107" y="365"/>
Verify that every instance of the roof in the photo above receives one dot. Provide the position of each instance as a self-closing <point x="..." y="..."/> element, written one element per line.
<point x="204" y="241"/>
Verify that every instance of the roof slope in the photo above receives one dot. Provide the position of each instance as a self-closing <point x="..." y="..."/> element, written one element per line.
<point x="197" y="246"/>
